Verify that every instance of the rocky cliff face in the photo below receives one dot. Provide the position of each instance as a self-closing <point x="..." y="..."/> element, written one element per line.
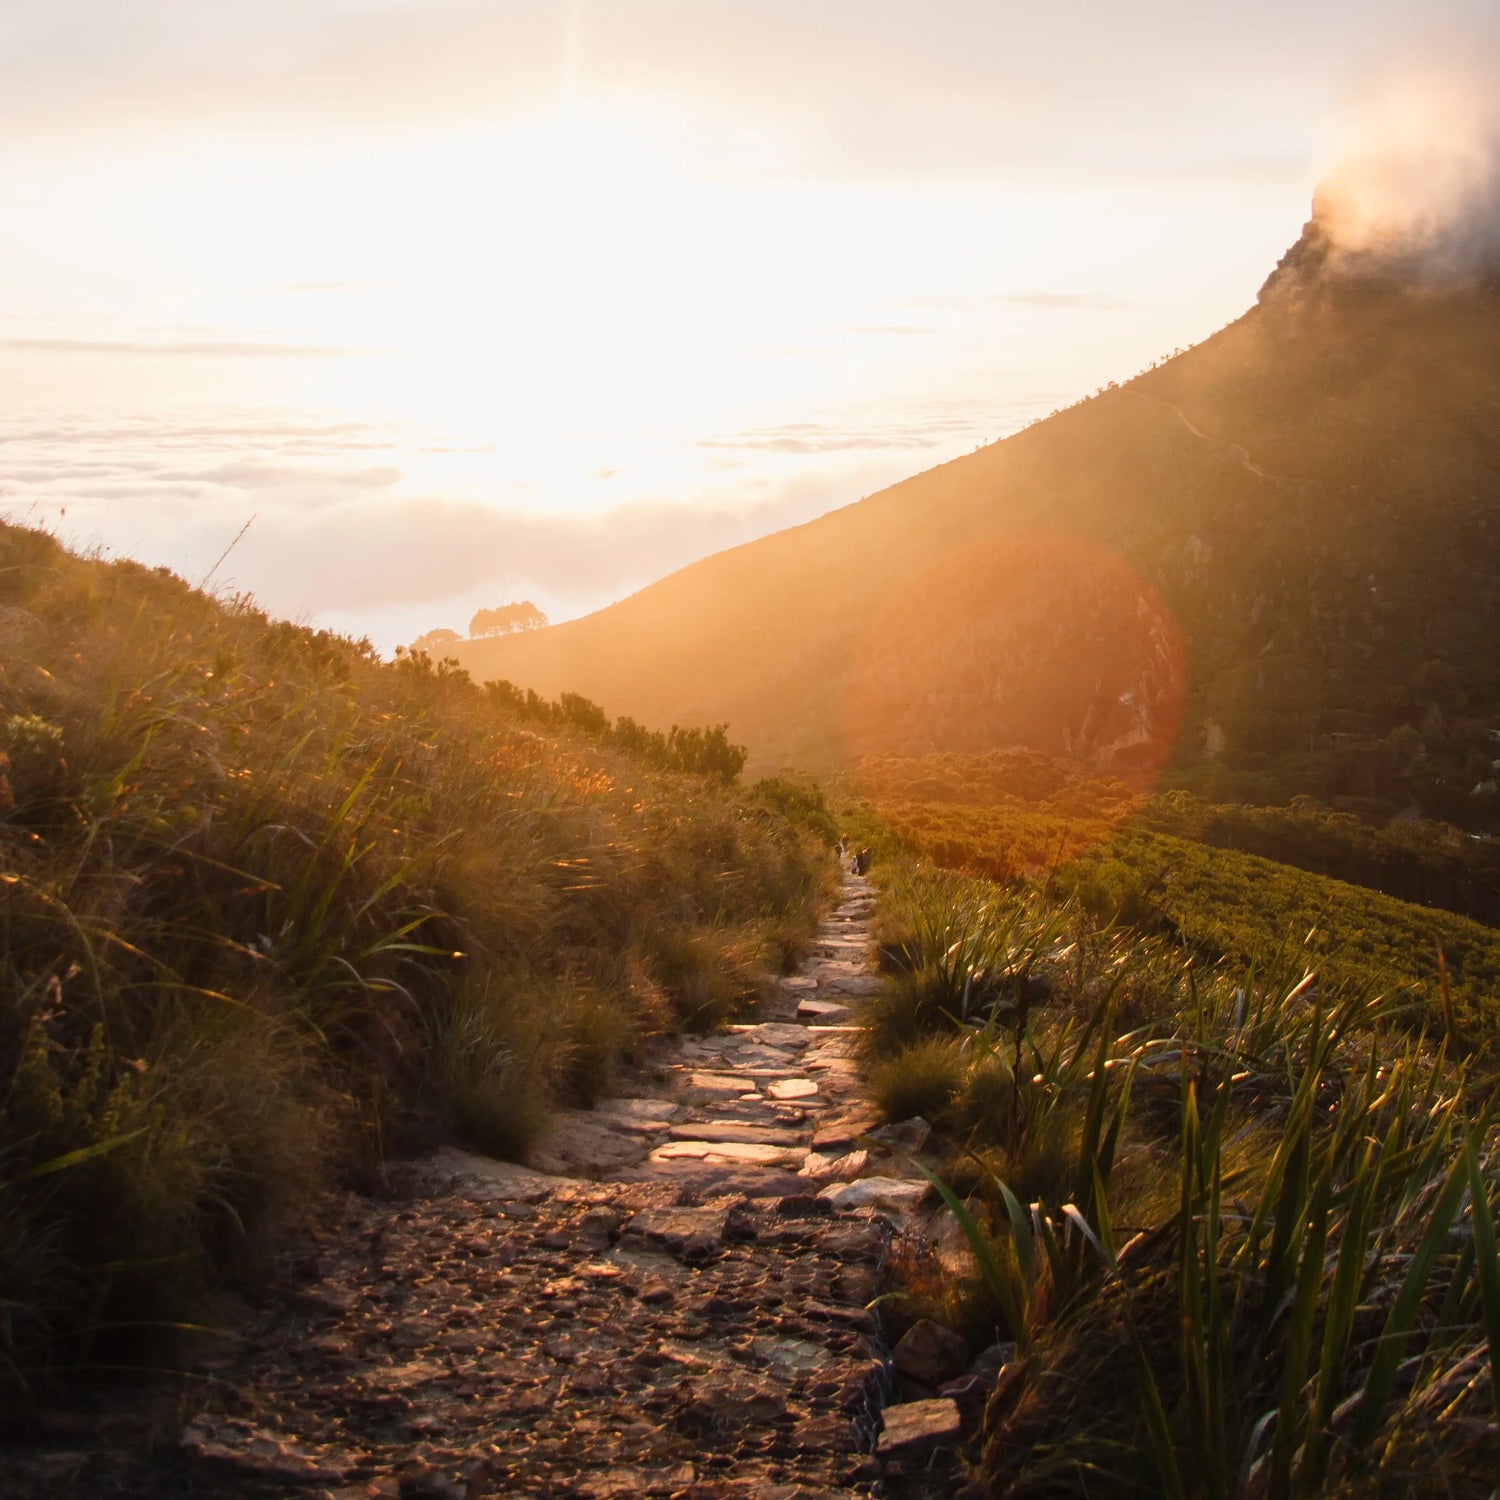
<point x="1454" y="251"/>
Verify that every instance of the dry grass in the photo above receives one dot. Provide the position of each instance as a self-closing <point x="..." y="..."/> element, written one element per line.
<point x="270" y="908"/>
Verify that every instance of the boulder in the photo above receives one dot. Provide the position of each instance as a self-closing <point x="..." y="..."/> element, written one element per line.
<point x="931" y="1353"/>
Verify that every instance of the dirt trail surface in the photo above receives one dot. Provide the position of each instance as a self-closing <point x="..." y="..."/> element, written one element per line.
<point x="675" y="1304"/>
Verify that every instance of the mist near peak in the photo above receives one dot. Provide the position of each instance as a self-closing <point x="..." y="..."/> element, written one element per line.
<point x="1413" y="196"/>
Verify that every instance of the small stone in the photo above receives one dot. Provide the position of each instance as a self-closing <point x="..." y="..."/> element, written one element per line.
<point x="843" y="1129"/>
<point x="931" y="1353"/>
<point x="853" y="1244"/>
<point x="875" y="1192"/>
<point x="732" y="1406"/>
<point x="826" y="1435"/>
<point x="919" y="1424"/>
<point x="844" y="1168"/>
<point x="906" y="1136"/>
<point x="792" y="1088"/>
<point x="599" y="1226"/>
<point x="858" y="1284"/>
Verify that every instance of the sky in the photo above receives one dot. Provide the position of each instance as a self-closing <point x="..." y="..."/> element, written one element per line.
<point x="457" y="302"/>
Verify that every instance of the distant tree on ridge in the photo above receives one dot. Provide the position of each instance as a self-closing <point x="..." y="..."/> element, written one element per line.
<point x="506" y="619"/>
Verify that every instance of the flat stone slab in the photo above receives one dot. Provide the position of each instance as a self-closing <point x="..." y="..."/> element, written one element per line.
<point x="264" y="1455"/>
<point x="580" y="1142"/>
<point x="742" y="1132"/>
<point x="845" y="1128"/>
<point x="676" y="1229"/>
<point x="821" y="1010"/>
<point x="917" y="1423"/>
<point x="790" y="1356"/>
<point x="798" y="982"/>
<point x="856" y="986"/>
<point x="768" y="1065"/>
<point x="639" y="1109"/>
<point x="735" y="1151"/>
<point x="830" y="1064"/>
<point x="826" y="1168"/>
<point x="792" y="1088"/>
<point x="774" y="1033"/>
<point x="730" y="1084"/>
<point x="451" y="1172"/>
<point x="715" y="1179"/>
<point x="875" y="1192"/>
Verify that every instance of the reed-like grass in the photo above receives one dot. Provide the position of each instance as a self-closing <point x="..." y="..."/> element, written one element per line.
<point x="271" y="909"/>
<point x="1247" y="1248"/>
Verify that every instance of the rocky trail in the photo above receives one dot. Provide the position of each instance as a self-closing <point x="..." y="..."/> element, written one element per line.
<point x="673" y="1300"/>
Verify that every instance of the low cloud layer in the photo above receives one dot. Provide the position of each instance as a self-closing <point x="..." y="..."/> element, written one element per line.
<point x="343" y="534"/>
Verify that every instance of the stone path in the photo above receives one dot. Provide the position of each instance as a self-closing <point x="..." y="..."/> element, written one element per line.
<point x="673" y="1299"/>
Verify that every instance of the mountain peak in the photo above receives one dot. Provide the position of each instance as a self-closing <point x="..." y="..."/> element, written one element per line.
<point x="1327" y="259"/>
<point x="1415" y="205"/>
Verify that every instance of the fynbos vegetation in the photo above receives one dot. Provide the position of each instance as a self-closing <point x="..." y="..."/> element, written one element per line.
<point x="271" y="908"/>
<point x="1239" y="1221"/>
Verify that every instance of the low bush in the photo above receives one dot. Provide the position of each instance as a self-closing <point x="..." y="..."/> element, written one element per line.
<point x="923" y="1078"/>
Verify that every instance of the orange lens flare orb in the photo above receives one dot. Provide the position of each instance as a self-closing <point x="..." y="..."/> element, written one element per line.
<point x="1038" y="673"/>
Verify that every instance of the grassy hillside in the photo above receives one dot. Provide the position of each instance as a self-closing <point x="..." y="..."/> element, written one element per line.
<point x="270" y="909"/>
<point x="1016" y="813"/>
<point x="1240" y="1227"/>
<point x="1273" y="557"/>
<point x="1233" y="882"/>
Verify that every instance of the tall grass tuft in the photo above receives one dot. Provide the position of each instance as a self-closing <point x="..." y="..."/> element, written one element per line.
<point x="1246" y="1247"/>
<point x="271" y="908"/>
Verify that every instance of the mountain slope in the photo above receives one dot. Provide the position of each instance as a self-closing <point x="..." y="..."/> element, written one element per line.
<point x="1275" y="549"/>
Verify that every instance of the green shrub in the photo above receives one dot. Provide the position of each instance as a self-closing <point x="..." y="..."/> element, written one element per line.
<point x="921" y="1079"/>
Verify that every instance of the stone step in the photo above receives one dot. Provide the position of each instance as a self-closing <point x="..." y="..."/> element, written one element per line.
<point x="742" y="1132"/>
<point x="821" y="1010"/>
<point x="740" y="1152"/>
